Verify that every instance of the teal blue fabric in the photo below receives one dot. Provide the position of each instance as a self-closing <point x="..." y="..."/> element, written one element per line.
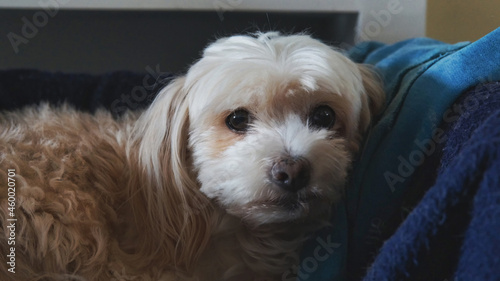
<point x="422" y="78"/>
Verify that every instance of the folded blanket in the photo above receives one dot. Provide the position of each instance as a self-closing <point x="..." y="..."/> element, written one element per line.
<point x="423" y="78"/>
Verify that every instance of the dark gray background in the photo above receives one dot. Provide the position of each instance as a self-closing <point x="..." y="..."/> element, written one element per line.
<point x="96" y="42"/>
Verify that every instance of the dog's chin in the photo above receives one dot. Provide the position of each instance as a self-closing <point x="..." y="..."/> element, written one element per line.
<point x="285" y="209"/>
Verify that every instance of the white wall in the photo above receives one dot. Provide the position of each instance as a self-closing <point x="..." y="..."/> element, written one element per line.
<point x="390" y="21"/>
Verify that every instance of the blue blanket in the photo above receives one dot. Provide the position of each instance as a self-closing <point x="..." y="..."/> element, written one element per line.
<point x="423" y="78"/>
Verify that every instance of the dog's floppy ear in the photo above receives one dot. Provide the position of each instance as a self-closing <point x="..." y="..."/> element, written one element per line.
<point x="372" y="99"/>
<point x="174" y="212"/>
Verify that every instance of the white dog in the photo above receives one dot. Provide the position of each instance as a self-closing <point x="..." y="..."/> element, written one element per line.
<point x="220" y="179"/>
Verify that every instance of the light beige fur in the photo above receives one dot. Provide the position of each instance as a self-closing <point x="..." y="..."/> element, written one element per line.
<point x="105" y="199"/>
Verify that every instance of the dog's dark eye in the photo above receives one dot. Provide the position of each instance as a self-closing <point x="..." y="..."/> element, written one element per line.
<point x="238" y="121"/>
<point x="322" y="117"/>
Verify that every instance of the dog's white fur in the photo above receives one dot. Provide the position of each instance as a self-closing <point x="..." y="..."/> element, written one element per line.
<point x="173" y="193"/>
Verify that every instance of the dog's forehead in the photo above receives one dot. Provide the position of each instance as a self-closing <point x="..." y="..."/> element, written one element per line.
<point x="277" y="99"/>
<point x="287" y="74"/>
<point x="263" y="88"/>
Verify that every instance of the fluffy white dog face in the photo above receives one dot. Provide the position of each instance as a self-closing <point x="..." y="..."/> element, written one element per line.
<point x="273" y="122"/>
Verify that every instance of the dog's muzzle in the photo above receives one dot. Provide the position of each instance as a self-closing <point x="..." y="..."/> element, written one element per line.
<point x="290" y="174"/>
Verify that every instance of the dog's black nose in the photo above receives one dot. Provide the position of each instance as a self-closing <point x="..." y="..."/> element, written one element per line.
<point x="291" y="174"/>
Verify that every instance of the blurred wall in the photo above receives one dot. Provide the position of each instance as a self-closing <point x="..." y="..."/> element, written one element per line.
<point x="455" y="21"/>
<point x="390" y="21"/>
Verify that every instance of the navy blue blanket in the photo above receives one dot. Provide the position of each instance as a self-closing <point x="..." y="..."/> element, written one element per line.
<point x="453" y="233"/>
